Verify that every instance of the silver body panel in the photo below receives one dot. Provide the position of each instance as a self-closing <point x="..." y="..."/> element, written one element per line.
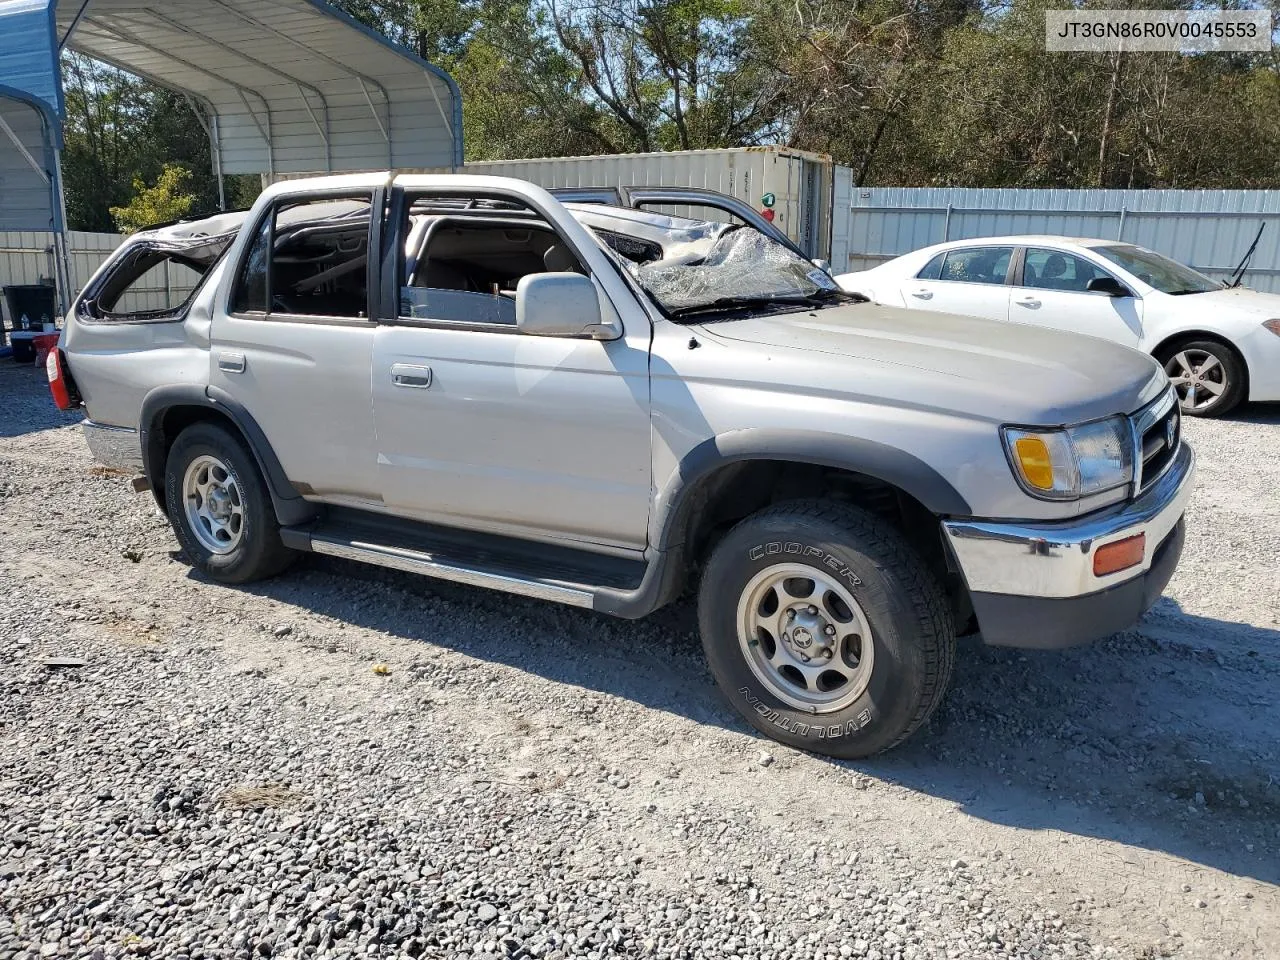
<point x="589" y="442"/>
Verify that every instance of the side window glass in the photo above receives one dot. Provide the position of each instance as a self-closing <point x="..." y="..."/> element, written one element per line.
<point x="463" y="264"/>
<point x="308" y="259"/>
<point x="1053" y="270"/>
<point x="977" y="265"/>
<point x="251" y="287"/>
<point x="933" y="269"/>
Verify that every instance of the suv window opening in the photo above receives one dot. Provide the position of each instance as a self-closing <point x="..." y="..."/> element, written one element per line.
<point x="461" y="260"/>
<point x="99" y="302"/>
<point x="324" y="257"/>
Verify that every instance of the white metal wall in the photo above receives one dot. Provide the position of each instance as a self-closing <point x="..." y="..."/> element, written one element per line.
<point x="1208" y="229"/>
<point x="27" y="257"/>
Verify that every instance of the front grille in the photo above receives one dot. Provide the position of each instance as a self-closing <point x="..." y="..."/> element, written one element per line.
<point x="1159" y="444"/>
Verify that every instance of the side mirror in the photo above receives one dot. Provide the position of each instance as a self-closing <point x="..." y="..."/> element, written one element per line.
<point x="1110" y="286"/>
<point x="824" y="265"/>
<point x="561" y="305"/>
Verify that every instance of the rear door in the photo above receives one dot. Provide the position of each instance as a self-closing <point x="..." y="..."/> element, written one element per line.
<point x="1052" y="291"/>
<point x="295" y="340"/>
<point x="970" y="281"/>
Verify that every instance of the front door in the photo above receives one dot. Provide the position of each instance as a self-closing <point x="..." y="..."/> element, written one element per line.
<point x="481" y="427"/>
<point x="1054" y="292"/>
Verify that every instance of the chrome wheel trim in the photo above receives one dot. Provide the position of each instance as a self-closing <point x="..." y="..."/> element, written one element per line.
<point x="1199" y="378"/>
<point x="213" y="504"/>
<point x="805" y="638"/>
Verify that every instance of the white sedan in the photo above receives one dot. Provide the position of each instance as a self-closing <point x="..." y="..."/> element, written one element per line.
<point x="1220" y="345"/>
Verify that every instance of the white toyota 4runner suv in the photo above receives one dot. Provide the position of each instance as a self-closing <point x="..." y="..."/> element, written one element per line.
<point x="466" y="378"/>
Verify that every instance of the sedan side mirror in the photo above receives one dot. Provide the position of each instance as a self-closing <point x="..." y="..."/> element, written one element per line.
<point x="561" y="305"/>
<point x="1110" y="286"/>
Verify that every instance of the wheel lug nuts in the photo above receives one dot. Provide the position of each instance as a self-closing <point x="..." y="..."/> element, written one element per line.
<point x="830" y="631"/>
<point x="791" y="614"/>
<point x="813" y="609"/>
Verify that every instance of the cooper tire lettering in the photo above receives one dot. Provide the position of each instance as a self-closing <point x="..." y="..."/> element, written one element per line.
<point x="792" y="548"/>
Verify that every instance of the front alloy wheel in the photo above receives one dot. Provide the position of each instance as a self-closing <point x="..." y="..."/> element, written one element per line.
<point x="824" y="628"/>
<point x="805" y="638"/>
<point x="1207" y="376"/>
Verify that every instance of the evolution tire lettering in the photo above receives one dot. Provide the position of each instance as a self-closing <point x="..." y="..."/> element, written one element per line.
<point x="827" y="732"/>
<point x="793" y="549"/>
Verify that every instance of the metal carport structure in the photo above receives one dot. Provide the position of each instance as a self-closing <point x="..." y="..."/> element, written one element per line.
<point x="285" y="86"/>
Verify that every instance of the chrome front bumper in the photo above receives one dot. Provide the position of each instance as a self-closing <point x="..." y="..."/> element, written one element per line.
<point x="117" y="447"/>
<point x="1035" y="582"/>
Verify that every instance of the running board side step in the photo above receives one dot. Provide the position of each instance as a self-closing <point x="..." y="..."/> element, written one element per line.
<point x="426" y="564"/>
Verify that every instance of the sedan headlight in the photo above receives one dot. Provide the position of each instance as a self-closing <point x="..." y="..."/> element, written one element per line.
<point x="1075" y="462"/>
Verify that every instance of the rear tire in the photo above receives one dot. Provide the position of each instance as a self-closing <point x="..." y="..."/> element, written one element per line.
<point x="220" y="508"/>
<point x="1208" y="376"/>
<point x="825" y="629"/>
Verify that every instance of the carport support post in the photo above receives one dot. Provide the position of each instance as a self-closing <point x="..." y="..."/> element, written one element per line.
<point x="216" y="138"/>
<point x="61" y="261"/>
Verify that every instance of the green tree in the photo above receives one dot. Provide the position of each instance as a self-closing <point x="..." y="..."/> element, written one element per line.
<point x="169" y="199"/>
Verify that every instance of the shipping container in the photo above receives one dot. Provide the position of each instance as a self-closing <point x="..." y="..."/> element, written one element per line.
<point x="797" y="181"/>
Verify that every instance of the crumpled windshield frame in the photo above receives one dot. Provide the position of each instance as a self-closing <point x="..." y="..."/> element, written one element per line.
<point x="737" y="268"/>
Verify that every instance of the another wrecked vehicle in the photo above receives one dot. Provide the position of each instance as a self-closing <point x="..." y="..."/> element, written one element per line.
<point x="466" y="378"/>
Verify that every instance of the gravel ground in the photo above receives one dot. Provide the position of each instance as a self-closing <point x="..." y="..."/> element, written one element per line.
<point x="350" y="762"/>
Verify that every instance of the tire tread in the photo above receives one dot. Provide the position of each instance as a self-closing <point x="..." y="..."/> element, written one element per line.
<point x="897" y="561"/>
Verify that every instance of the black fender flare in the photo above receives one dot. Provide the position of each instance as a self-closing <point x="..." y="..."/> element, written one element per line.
<point x="289" y="504"/>
<point x="678" y="497"/>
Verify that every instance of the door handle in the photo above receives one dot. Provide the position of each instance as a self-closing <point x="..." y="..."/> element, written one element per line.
<point x="922" y="294"/>
<point x="231" y="362"/>
<point x="1027" y="302"/>
<point x="411" y="375"/>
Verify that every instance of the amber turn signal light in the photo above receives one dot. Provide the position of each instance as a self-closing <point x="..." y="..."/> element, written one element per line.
<point x="1119" y="555"/>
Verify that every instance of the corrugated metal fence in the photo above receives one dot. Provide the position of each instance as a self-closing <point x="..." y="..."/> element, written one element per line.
<point x="1208" y="229"/>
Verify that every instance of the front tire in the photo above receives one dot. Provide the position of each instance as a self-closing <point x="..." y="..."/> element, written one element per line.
<point x="825" y="629"/>
<point x="1207" y="375"/>
<point x="220" y="508"/>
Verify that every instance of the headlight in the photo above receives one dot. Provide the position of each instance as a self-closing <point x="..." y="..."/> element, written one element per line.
<point x="1067" y="464"/>
<point x="1273" y="326"/>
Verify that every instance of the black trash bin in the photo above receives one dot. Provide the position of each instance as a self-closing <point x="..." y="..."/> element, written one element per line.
<point x="31" y="305"/>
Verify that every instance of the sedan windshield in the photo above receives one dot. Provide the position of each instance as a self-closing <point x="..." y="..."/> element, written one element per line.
<point x="1167" y="276"/>
<point x="740" y="268"/>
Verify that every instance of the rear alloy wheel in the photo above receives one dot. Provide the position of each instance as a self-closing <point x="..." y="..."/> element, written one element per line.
<point x="220" y="507"/>
<point x="1207" y="376"/>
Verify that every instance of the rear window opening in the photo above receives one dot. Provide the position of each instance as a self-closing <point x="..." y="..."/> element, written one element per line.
<point x="153" y="282"/>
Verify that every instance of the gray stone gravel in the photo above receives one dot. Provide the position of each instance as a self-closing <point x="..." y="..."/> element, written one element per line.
<point x="347" y="762"/>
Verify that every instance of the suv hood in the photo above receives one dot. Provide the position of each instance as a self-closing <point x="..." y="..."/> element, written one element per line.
<point x="1006" y="372"/>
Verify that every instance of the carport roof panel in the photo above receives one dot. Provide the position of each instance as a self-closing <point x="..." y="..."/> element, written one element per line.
<point x="294" y="85"/>
<point x="28" y="56"/>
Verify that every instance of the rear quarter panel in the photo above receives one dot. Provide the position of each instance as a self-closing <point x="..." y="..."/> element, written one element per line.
<point x="115" y="365"/>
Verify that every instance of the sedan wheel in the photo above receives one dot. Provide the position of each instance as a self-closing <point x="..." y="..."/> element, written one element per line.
<point x="1207" y="377"/>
